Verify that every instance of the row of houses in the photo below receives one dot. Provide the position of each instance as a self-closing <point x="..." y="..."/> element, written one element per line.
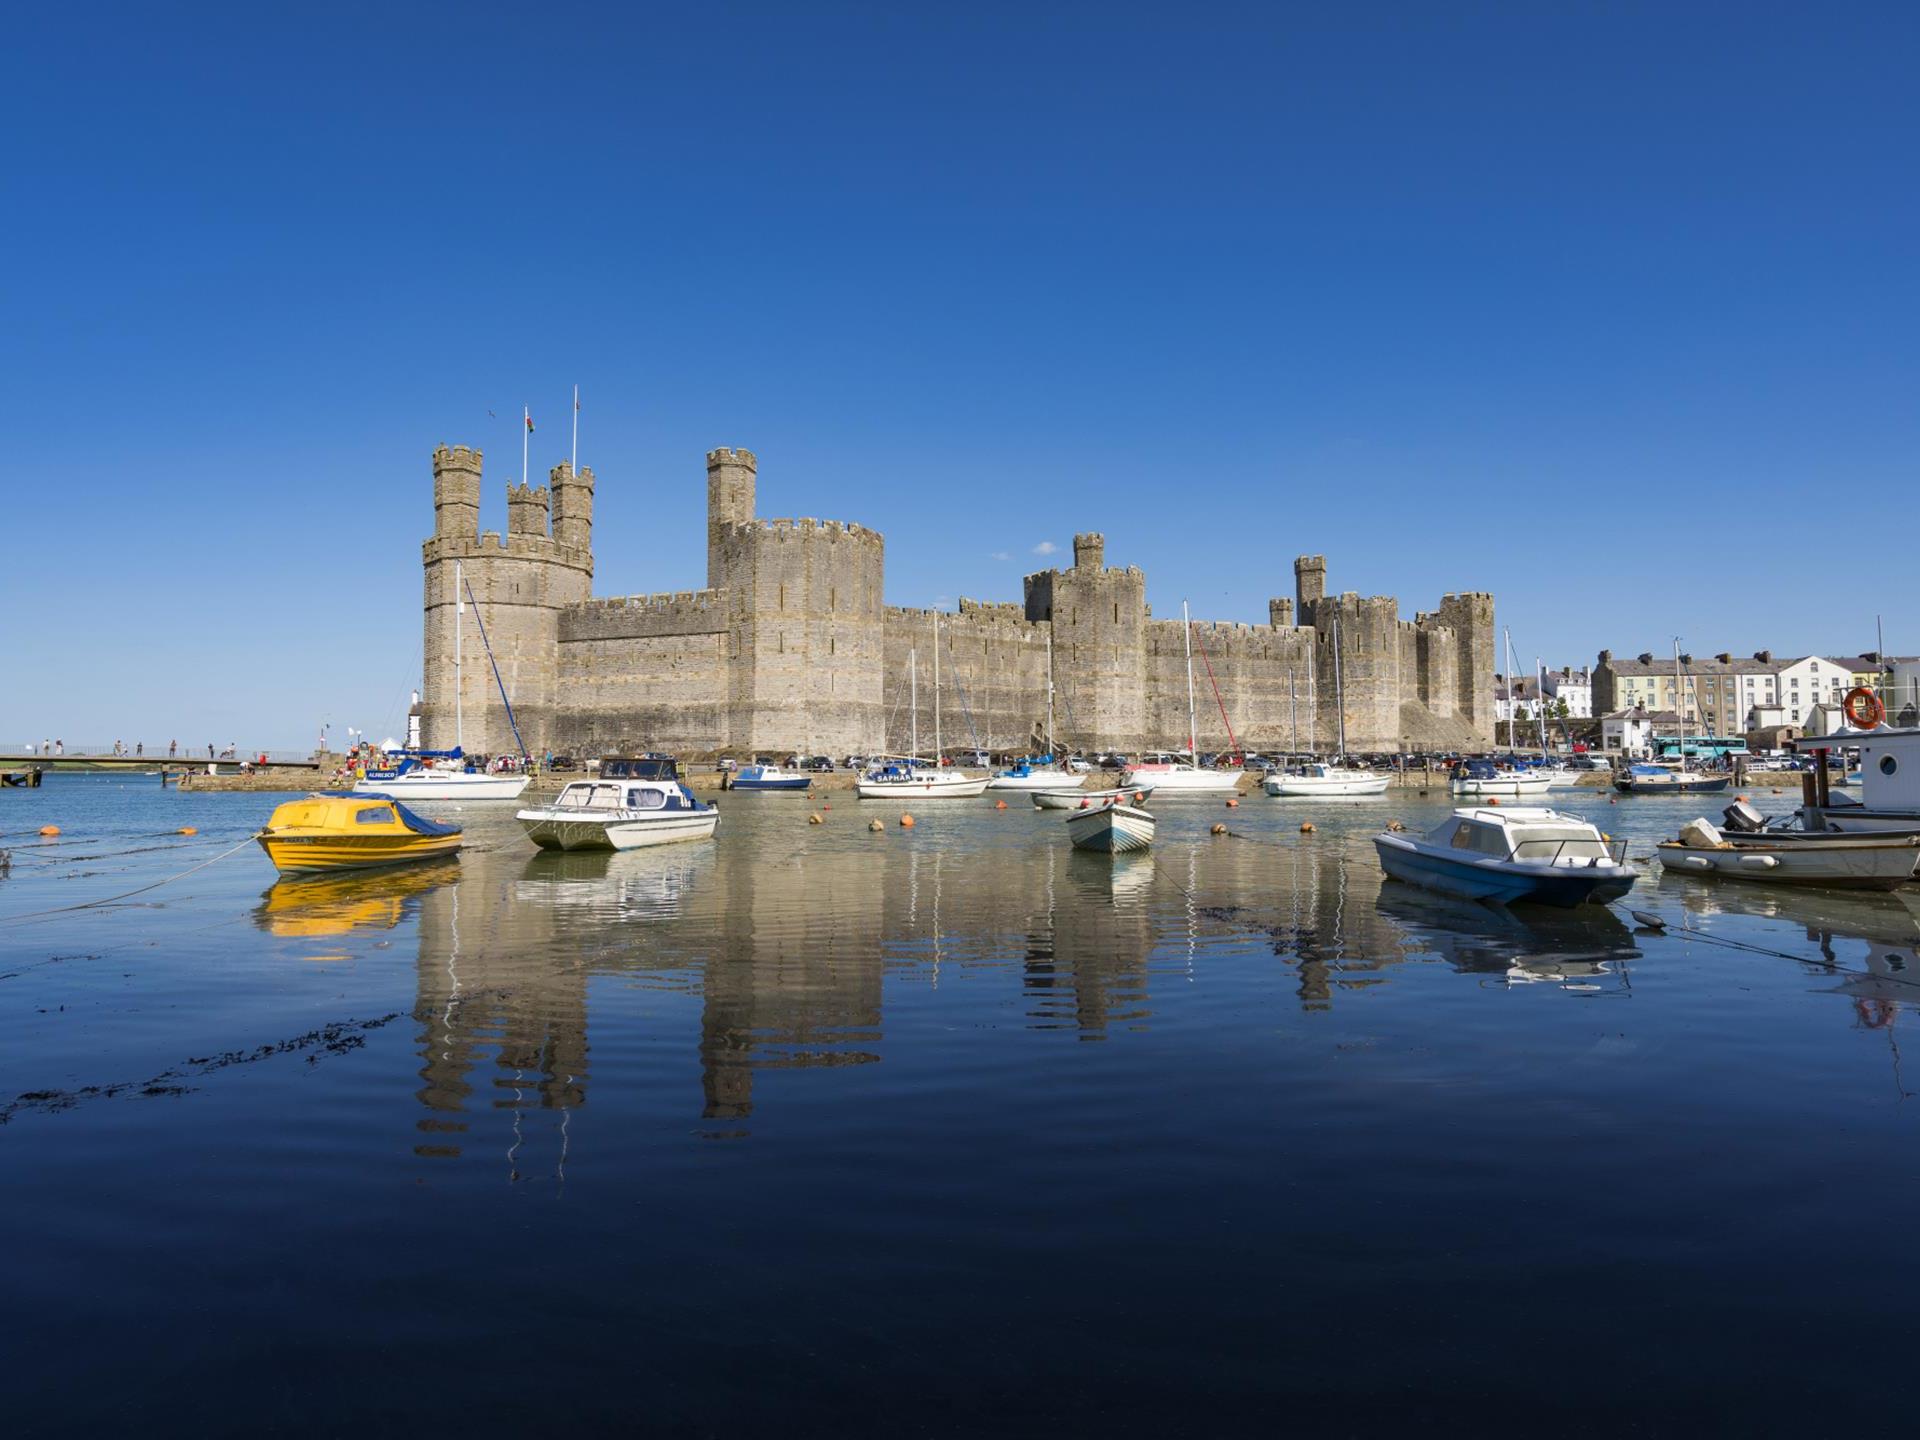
<point x="1766" y="698"/>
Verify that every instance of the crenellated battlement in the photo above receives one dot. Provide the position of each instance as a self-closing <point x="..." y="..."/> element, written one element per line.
<point x="727" y="455"/>
<point x="787" y="528"/>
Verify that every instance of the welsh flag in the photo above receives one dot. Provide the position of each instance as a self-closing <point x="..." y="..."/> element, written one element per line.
<point x="529" y="423"/>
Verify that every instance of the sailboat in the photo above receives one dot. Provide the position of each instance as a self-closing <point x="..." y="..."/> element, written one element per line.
<point x="1675" y="777"/>
<point x="1496" y="777"/>
<point x="1317" y="780"/>
<point x="1043" y="773"/>
<point x="445" y="774"/>
<point x="1170" y="773"/>
<point x="894" y="777"/>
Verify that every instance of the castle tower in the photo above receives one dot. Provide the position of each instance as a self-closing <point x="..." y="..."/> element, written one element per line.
<point x="1090" y="551"/>
<point x="527" y="510"/>
<point x="730" y="501"/>
<point x="1280" y="613"/>
<point x="1309" y="584"/>
<point x="520" y="584"/>
<point x="456" y="492"/>
<point x="573" y="507"/>
<point x="1470" y="616"/>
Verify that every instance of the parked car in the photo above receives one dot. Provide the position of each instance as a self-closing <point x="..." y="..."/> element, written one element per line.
<point x="820" y="765"/>
<point x="563" y="762"/>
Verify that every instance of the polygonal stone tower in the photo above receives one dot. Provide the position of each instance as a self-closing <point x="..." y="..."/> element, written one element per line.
<point x="730" y="501"/>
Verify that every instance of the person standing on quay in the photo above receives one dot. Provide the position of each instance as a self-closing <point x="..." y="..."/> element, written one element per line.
<point x="173" y="748"/>
<point x="139" y="748"/>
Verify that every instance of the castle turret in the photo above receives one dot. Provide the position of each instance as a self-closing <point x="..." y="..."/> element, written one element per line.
<point x="1309" y="584"/>
<point x="730" y="501"/>
<point x="1280" y="613"/>
<point x="456" y="492"/>
<point x="527" y="510"/>
<point x="572" y="506"/>
<point x="1089" y="550"/>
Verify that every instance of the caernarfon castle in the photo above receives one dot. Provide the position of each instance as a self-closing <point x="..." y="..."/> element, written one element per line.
<point x="792" y="647"/>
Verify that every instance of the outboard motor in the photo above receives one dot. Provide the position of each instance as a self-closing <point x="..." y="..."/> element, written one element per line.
<point x="1740" y="816"/>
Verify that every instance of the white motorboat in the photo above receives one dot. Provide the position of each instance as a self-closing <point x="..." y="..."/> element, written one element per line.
<point x="1086" y="799"/>
<point x="1793" y="857"/>
<point x="1320" y="781"/>
<point x="1162" y="771"/>
<point x="1509" y="855"/>
<point x="1484" y="778"/>
<point x="411" y="781"/>
<point x="1030" y="776"/>
<point x="619" y="815"/>
<point x="911" y="779"/>
<point x="1111" y="829"/>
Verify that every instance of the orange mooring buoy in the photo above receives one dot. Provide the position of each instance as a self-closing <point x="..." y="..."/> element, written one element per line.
<point x="1493" y="800"/>
<point x="999" y="804"/>
<point x="906" y="822"/>
<point x="49" y="829"/>
<point x="186" y="830"/>
<point x="1306" y="827"/>
<point x="1232" y="803"/>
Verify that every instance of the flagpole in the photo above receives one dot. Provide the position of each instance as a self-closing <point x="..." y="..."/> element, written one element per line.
<point x="576" y="430"/>
<point x="526" y="433"/>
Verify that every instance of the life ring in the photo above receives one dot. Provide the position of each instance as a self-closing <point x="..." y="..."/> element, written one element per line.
<point x="1863" y="708"/>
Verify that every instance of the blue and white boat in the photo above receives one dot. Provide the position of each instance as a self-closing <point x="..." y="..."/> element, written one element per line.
<point x="438" y="775"/>
<point x="768" y="777"/>
<point x="1110" y="829"/>
<point x="1032" y="774"/>
<point x="1516" y="855"/>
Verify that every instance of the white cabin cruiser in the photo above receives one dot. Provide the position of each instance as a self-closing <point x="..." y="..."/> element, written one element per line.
<point x="1036" y="775"/>
<point x="1889" y="788"/>
<point x="1485" y="777"/>
<point x="619" y="815"/>
<point x="438" y="775"/>
<point x="1171" y="774"/>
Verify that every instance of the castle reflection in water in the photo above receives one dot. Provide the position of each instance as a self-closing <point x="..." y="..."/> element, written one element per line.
<point x="790" y="961"/>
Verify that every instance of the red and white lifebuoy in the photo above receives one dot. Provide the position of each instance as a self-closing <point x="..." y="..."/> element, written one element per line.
<point x="1863" y="708"/>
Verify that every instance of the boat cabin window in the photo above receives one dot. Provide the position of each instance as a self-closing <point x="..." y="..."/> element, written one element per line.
<point x="646" y="798"/>
<point x="1557" y="842"/>
<point x="373" y="815"/>
<point x="1888" y="764"/>
<point x="1482" y="839"/>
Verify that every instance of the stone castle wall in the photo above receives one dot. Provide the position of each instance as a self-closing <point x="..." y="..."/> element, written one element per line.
<point x="792" y="647"/>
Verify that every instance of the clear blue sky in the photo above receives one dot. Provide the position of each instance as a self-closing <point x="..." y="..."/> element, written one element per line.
<point x="1588" y="305"/>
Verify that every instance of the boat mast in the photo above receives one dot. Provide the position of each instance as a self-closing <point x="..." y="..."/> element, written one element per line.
<point x="1679" y="706"/>
<point x="459" y="609"/>
<point x="936" y="689"/>
<point x="1339" y="689"/>
<point x="1193" y="729"/>
<point x="1511" y="711"/>
<point x="1540" y="702"/>
<point x="1050" y="745"/>
<point x="1293" y="716"/>
<point x="913" y="703"/>
<point x="1313" y="697"/>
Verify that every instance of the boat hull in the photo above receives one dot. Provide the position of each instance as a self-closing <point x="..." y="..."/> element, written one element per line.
<point x="313" y="854"/>
<point x="1687" y="785"/>
<point x="1038" y="780"/>
<point x="1111" y="830"/>
<point x="1558" y="886"/>
<point x="552" y="830"/>
<point x="1835" y="863"/>
<point x="1307" y="787"/>
<point x="788" y="784"/>
<point x="923" y="787"/>
<point x="445" y="785"/>
<point x="1501" y="786"/>
<point x="1184" y="782"/>
<point x="1083" y="799"/>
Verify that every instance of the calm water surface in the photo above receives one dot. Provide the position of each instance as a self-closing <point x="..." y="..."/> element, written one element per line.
<point x="941" y="1131"/>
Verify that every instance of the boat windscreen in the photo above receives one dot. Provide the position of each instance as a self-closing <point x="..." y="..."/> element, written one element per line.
<point x="1556" y="842"/>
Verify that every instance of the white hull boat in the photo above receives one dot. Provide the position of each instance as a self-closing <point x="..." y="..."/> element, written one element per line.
<point x="1021" y="778"/>
<point x="1792" y="857"/>
<point x="1110" y="829"/>
<point x="597" y="815"/>
<point x="1510" y="856"/>
<point x="444" y="785"/>
<point x="1182" y="780"/>
<point x="1504" y="784"/>
<point x="1086" y="799"/>
<point x="1319" y="781"/>
<point x="901" y="780"/>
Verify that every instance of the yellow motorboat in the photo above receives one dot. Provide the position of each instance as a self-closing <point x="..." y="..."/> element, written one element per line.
<point x="336" y="831"/>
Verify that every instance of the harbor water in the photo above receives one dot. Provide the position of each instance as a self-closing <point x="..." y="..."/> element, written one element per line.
<point x="941" y="1130"/>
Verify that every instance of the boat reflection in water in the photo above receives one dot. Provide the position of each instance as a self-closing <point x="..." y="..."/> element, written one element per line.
<point x="1585" y="950"/>
<point x="327" y="904"/>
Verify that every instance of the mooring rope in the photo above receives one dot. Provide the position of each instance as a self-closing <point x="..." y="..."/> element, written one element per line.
<point x="126" y="894"/>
